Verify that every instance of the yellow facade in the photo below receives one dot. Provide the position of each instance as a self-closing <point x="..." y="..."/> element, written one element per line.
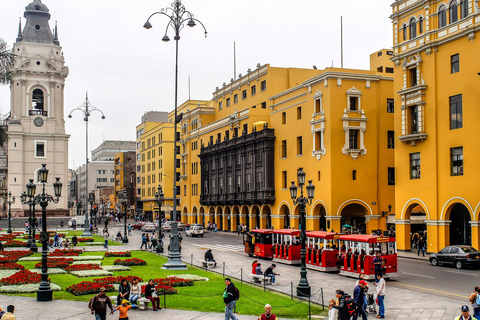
<point x="436" y="67"/>
<point x="302" y="106"/>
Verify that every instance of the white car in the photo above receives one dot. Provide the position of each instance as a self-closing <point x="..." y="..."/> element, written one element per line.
<point x="148" y="227"/>
<point x="167" y="226"/>
<point x="194" y="231"/>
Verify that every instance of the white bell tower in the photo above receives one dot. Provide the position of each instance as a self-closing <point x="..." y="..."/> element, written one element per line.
<point x="36" y="126"/>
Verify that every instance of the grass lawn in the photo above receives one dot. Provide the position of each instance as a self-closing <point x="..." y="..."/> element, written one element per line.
<point x="70" y="234"/>
<point x="203" y="296"/>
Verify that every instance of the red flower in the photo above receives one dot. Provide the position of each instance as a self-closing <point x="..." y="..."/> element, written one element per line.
<point x="118" y="279"/>
<point x="14" y="243"/>
<point x="22" y="277"/>
<point x="130" y="262"/>
<point x="66" y="252"/>
<point x="14" y="265"/>
<point x="14" y="255"/>
<point x="82" y="267"/>
<point x="118" y="254"/>
<point x="87" y="287"/>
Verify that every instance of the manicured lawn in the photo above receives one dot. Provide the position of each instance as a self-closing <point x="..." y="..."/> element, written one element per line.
<point x="203" y="296"/>
<point x="70" y="234"/>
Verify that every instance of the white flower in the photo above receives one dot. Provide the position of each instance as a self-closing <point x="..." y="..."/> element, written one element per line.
<point x="50" y="271"/>
<point x="91" y="273"/>
<point x="192" y="277"/>
<point x="78" y="258"/>
<point x="27" y="288"/>
<point x="7" y="273"/>
<point x="116" y="268"/>
<point x="98" y="262"/>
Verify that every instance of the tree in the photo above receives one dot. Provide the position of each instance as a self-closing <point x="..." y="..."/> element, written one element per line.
<point x="7" y="61"/>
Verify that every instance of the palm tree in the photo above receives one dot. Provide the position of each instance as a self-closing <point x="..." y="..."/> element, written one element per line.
<point x="7" y="61"/>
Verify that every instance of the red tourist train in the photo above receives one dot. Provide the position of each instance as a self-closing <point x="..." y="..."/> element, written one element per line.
<point x="326" y="251"/>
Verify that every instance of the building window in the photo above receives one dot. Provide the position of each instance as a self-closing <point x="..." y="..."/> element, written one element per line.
<point x="228" y="102"/>
<point x="453" y="11"/>
<point x="284" y="117"/>
<point x="464" y="8"/>
<point x="456" y="156"/>
<point x="318" y="105"/>
<point x="379" y="54"/>
<point x="415" y="165"/>
<point x="420" y="25"/>
<point x="404" y="29"/>
<point x="413" y="119"/>
<point x="353" y="139"/>
<point x="263" y="85"/>
<point x="354" y="174"/>
<point x="235" y="98"/>
<point x="390" y="106"/>
<point x="40" y="150"/>
<point x="391" y="176"/>
<point x="318" y="140"/>
<point x="456" y="114"/>
<point x="391" y="139"/>
<point x="283" y="149"/>
<point x="353" y="104"/>
<point x="455" y="61"/>
<point x="220" y="105"/>
<point x="244" y="94"/>
<point x="299" y="113"/>
<point x="412" y="77"/>
<point x="253" y="90"/>
<point x="299" y="146"/>
<point x="319" y="177"/>
<point x="388" y="70"/>
<point x="284" y="180"/>
<point x="442" y="17"/>
<point x="413" y="28"/>
<point x="264" y="105"/>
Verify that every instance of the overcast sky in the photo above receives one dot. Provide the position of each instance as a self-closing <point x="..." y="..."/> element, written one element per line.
<point x="128" y="70"/>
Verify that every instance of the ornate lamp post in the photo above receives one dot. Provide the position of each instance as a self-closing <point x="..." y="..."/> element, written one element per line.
<point x="10" y="200"/>
<point x="44" y="293"/>
<point x="87" y="110"/>
<point x="177" y="16"/>
<point x="124" y="201"/>
<point x="159" y="196"/>
<point x="31" y="217"/>
<point x="303" y="288"/>
<point x="91" y="199"/>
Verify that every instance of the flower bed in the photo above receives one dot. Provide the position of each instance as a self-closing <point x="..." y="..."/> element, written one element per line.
<point x="82" y="267"/>
<point x="91" y="273"/>
<point x="193" y="277"/>
<point x="130" y="262"/>
<point x="85" y="239"/>
<point x="56" y="263"/>
<point x="14" y="244"/>
<point x="13" y="265"/>
<point x="22" y="277"/>
<point x="97" y="262"/>
<point x="173" y="282"/>
<point x="66" y="252"/>
<point x="118" y="254"/>
<point x="162" y="290"/>
<point x="14" y="255"/>
<point x="7" y="273"/>
<point x="78" y="258"/>
<point x="118" y="279"/>
<point x="6" y="237"/>
<point x="27" y="288"/>
<point x="50" y="271"/>
<point x="87" y="287"/>
<point x="116" y="268"/>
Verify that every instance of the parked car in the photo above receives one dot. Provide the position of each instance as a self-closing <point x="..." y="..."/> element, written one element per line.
<point x="79" y="219"/>
<point x="148" y="227"/>
<point x="459" y="256"/>
<point x="167" y="226"/>
<point x="195" y="231"/>
<point x="181" y="226"/>
<point x="137" y="226"/>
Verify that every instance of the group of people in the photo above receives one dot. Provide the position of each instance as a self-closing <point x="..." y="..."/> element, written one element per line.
<point x="419" y="241"/>
<point x="151" y="242"/>
<point x="8" y="314"/>
<point x="346" y="307"/>
<point x="60" y="242"/>
<point x="269" y="272"/>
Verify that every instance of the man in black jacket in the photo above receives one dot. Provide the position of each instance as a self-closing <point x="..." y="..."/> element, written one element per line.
<point x="229" y="297"/>
<point x="342" y="305"/>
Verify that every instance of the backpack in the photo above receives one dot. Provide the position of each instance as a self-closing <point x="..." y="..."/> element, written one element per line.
<point x="351" y="305"/>
<point x="237" y="293"/>
<point x="477" y="301"/>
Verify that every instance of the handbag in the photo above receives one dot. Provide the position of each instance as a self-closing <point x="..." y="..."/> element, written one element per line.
<point x="154" y="294"/>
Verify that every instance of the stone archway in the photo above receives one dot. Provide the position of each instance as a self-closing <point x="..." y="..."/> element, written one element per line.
<point x="202" y="216"/>
<point x="212" y="215"/>
<point x="235" y="217"/>
<point x="267" y="213"/>
<point x="418" y="218"/>
<point x="285" y="216"/>
<point x="319" y="218"/>
<point x="194" y="215"/>
<point x="353" y="215"/>
<point x="245" y="218"/>
<point x="227" y="219"/>
<point x="255" y="217"/>
<point x="460" y="229"/>
<point x="184" y="215"/>
<point x="219" y="218"/>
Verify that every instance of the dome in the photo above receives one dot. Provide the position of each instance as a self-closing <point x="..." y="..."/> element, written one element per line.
<point x="37" y="6"/>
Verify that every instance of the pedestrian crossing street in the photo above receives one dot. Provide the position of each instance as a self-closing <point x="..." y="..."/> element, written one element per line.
<point x="220" y="247"/>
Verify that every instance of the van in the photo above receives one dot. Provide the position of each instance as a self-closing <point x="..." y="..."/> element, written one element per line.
<point x="80" y="221"/>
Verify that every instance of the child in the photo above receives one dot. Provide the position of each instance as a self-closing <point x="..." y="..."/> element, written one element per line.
<point x="123" y="310"/>
<point x="333" y="312"/>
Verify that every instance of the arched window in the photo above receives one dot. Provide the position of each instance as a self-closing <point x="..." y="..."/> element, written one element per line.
<point x="442" y="17"/>
<point x="464" y="8"/>
<point x="413" y="28"/>
<point x="404" y="32"/>
<point x="420" y="25"/>
<point x="37" y="99"/>
<point x="453" y="11"/>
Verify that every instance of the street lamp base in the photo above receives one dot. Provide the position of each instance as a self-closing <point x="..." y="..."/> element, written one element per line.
<point x="159" y="249"/>
<point x="29" y="243"/>
<point x="9" y="230"/>
<point x="304" y="292"/>
<point x="34" y="248"/>
<point x="125" y="240"/>
<point x="87" y="234"/>
<point x="174" y="262"/>
<point x="45" y="295"/>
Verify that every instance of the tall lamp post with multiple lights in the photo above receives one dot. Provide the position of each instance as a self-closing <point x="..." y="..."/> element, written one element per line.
<point x="159" y="197"/>
<point x="91" y="199"/>
<point x="44" y="292"/>
<point x="177" y="16"/>
<point x="31" y="243"/>
<point x="10" y="200"/>
<point x="303" y="288"/>
<point x="87" y="110"/>
<point x="124" y="201"/>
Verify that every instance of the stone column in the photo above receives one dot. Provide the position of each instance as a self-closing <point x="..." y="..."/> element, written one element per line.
<point x="333" y="223"/>
<point x="402" y="230"/>
<point x="372" y="222"/>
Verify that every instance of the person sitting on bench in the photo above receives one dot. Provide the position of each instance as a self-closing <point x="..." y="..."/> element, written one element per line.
<point x="270" y="273"/>
<point x="209" y="257"/>
<point x="258" y="269"/>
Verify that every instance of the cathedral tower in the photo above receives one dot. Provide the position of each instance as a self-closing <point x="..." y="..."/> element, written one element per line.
<point x="36" y="125"/>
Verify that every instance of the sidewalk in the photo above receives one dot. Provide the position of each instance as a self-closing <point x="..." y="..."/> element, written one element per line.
<point x="412" y="255"/>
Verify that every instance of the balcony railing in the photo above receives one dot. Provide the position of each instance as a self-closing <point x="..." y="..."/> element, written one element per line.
<point x="35" y="112"/>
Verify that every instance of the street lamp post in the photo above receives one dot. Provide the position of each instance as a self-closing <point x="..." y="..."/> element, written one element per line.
<point x="10" y="200"/>
<point x="91" y="199"/>
<point x="177" y="16"/>
<point x="303" y="288"/>
<point x="44" y="292"/>
<point x="159" y="196"/>
<point x="87" y="110"/>
<point x="32" y="244"/>
<point x="125" y="202"/>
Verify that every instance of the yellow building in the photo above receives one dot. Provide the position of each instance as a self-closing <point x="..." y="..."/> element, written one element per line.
<point x="436" y="64"/>
<point x="241" y="149"/>
<point x="124" y="165"/>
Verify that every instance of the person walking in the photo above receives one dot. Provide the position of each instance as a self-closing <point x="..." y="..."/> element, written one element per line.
<point x="123" y="310"/>
<point x="361" y="280"/>
<point x="359" y="297"/>
<point x="270" y="273"/>
<point x="268" y="315"/>
<point x="148" y="240"/>
<point x="229" y="298"/>
<point x="465" y="314"/>
<point x="381" y="286"/>
<point x="105" y="237"/>
<point x="144" y="241"/>
<point x="475" y="300"/>
<point x="332" y="312"/>
<point x="421" y="245"/>
<point x="129" y="229"/>
<point x="342" y="305"/>
<point x="55" y="240"/>
<point x="98" y="305"/>
<point x="9" y="315"/>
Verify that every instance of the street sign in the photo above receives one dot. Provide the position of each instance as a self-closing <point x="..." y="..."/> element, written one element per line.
<point x="166" y="208"/>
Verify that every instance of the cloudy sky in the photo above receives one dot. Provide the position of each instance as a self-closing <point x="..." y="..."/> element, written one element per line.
<point x="128" y="70"/>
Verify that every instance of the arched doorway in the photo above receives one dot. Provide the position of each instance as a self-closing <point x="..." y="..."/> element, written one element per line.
<point x="267" y="213"/>
<point x="236" y="217"/>
<point x="256" y="216"/>
<point x="212" y="215"/>
<point x="220" y="218"/>
<point x="202" y="215"/>
<point x="195" y="217"/>
<point x="418" y="219"/>
<point x="285" y="214"/>
<point x="184" y="216"/>
<point x="460" y="230"/>
<point x="228" y="218"/>
<point x="246" y="217"/>
<point x="353" y="215"/>
<point x="319" y="221"/>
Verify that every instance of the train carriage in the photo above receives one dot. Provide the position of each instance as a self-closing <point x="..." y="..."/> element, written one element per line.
<point x="258" y="243"/>
<point x="286" y="246"/>
<point x="322" y="251"/>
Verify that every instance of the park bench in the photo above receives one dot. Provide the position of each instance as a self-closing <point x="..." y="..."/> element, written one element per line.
<point x="142" y="303"/>
<point x="260" y="278"/>
<point x="208" y="264"/>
